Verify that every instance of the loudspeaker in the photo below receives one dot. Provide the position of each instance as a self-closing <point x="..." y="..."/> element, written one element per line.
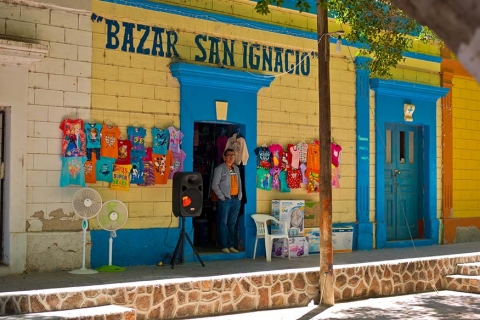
<point x="187" y="194"/>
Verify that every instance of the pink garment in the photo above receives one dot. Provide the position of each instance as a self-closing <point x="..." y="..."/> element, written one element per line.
<point x="336" y="154"/>
<point x="277" y="152"/>
<point x="295" y="156"/>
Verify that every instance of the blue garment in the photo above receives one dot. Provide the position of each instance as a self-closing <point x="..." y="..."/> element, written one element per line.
<point x="160" y="140"/>
<point x="92" y="132"/>
<point x="136" y="135"/>
<point x="283" y="182"/>
<point x="72" y="171"/>
<point x="136" y="174"/>
<point x="104" y="169"/>
<point x="227" y="214"/>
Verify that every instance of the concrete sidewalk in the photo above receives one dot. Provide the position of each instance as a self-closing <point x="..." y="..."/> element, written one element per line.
<point x="192" y="270"/>
<point x="432" y="305"/>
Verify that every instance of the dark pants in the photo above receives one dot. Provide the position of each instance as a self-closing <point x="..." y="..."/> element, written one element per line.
<point x="227" y="214"/>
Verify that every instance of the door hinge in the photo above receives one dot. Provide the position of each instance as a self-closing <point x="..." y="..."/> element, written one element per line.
<point x="2" y="171"/>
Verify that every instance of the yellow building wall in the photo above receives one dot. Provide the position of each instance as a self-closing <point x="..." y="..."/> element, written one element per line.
<point x="134" y="89"/>
<point x="466" y="140"/>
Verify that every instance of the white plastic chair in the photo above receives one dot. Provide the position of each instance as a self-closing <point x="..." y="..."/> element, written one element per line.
<point x="262" y="232"/>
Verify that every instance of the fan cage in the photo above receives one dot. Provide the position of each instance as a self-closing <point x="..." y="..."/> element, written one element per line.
<point x="104" y="215"/>
<point x="86" y="203"/>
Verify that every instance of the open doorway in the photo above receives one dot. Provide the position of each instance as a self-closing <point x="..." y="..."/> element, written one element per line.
<point x="209" y="141"/>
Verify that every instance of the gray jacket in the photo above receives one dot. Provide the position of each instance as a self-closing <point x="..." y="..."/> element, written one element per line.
<point x="221" y="182"/>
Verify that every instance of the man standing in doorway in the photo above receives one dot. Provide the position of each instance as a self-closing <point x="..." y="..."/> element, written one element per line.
<point x="227" y="185"/>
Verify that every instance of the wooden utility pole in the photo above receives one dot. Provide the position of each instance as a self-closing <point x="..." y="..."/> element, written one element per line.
<point x="326" y="250"/>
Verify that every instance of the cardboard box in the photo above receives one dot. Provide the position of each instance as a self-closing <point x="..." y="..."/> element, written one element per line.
<point x="298" y="248"/>
<point x="312" y="214"/>
<point x="341" y="239"/>
<point x="290" y="211"/>
<point x="313" y="238"/>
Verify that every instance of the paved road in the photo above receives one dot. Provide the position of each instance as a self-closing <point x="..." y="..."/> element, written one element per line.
<point x="442" y="305"/>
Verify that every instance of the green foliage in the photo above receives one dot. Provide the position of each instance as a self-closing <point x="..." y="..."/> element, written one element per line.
<point x="383" y="29"/>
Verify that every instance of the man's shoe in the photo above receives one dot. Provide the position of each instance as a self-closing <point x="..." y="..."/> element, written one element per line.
<point x="232" y="249"/>
<point x="225" y="250"/>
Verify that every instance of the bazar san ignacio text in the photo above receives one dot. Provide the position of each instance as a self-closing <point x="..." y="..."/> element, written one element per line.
<point x="157" y="41"/>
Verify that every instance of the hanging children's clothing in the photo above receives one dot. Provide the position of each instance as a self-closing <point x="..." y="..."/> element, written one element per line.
<point x="264" y="157"/>
<point x="121" y="177"/>
<point x="162" y="165"/>
<point x="160" y="138"/>
<point x="89" y="171"/>
<point x="264" y="179"/>
<point x="277" y="153"/>
<point x="109" y="141"/>
<point x="313" y="155"/>
<point x="239" y="146"/>
<point x="72" y="171"/>
<point x="92" y="133"/>
<point x="177" y="163"/>
<point x="335" y="177"/>
<point x="283" y="182"/>
<point x="136" y="174"/>
<point x="104" y="169"/>
<point x="136" y="135"/>
<point x="294" y="156"/>
<point x="336" y="154"/>
<point x="175" y="140"/>
<point x="294" y="178"/>
<point x="73" y="142"/>
<point x="313" y="177"/>
<point x="124" y="151"/>
<point x="275" y="174"/>
<point x="147" y="174"/>
<point x="302" y="151"/>
<point x="303" y="170"/>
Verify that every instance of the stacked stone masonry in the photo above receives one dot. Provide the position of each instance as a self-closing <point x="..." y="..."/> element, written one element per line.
<point x="164" y="299"/>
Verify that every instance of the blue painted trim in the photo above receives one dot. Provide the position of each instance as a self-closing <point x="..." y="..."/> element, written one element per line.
<point x="200" y="87"/>
<point x="408" y="90"/>
<point x="263" y="26"/>
<point x="134" y="247"/>
<point x="409" y="243"/>
<point x="390" y="97"/>
<point x="362" y="107"/>
<point x="221" y="256"/>
<point x="207" y="76"/>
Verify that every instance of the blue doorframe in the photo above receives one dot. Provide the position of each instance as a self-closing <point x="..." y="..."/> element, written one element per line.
<point x="200" y="88"/>
<point x="390" y="97"/>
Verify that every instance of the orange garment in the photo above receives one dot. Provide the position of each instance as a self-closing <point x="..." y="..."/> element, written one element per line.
<point x="109" y="141"/>
<point x="89" y="171"/>
<point x="233" y="184"/>
<point x="313" y="156"/>
<point x="161" y="166"/>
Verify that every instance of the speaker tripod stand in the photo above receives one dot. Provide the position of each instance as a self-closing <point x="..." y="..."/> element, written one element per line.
<point x="179" y="248"/>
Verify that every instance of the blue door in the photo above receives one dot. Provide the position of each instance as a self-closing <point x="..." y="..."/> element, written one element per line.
<point x="403" y="181"/>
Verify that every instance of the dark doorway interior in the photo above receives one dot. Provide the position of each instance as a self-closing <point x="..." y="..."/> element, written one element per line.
<point x="207" y="154"/>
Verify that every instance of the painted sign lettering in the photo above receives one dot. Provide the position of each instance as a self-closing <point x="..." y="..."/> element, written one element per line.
<point x="157" y="41"/>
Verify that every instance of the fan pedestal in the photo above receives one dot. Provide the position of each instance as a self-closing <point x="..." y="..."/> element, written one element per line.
<point x="180" y="245"/>
<point x="83" y="271"/>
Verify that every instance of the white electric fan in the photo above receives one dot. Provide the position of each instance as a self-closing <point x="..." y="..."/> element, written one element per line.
<point x="112" y="217"/>
<point x="86" y="204"/>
